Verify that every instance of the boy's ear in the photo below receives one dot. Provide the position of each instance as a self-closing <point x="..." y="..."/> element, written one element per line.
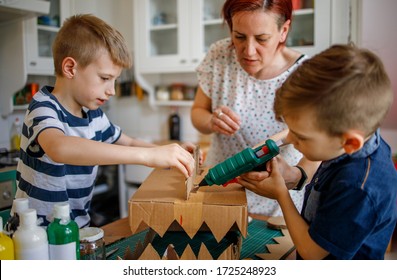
<point x="353" y="140"/>
<point x="69" y="67"/>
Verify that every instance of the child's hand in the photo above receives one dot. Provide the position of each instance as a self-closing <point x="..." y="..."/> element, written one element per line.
<point x="269" y="184"/>
<point x="172" y="155"/>
<point x="188" y="146"/>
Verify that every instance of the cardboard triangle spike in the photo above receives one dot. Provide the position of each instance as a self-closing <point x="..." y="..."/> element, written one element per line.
<point x="149" y="254"/>
<point x="171" y="254"/>
<point x="188" y="254"/>
<point x="222" y="221"/>
<point x="204" y="254"/>
<point x="190" y="223"/>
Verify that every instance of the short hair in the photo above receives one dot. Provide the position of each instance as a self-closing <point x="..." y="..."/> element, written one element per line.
<point x="282" y="8"/>
<point x="83" y="36"/>
<point x="345" y="87"/>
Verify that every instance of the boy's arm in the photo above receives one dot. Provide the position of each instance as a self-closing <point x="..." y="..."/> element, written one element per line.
<point x="80" y="151"/>
<point x="297" y="226"/>
<point x="125" y="140"/>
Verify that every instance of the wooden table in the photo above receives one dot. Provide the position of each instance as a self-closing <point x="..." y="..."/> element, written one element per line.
<point x="116" y="230"/>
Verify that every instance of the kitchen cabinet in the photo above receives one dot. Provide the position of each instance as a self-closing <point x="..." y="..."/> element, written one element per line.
<point x="172" y="36"/>
<point x="39" y="35"/>
<point x="13" y="70"/>
<point x="311" y="27"/>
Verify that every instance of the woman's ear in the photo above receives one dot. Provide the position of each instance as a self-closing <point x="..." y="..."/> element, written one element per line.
<point x="353" y="140"/>
<point x="69" y="67"/>
<point x="284" y="31"/>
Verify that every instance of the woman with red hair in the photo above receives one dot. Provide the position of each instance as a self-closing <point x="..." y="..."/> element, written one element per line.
<point x="238" y="79"/>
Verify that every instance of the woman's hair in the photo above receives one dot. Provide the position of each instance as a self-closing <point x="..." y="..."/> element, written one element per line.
<point x="282" y="8"/>
<point x="83" y="37"/>
<point x="345" y="87"/>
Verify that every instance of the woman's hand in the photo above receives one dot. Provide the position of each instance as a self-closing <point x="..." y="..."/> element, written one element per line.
<point x="225" y="121"/>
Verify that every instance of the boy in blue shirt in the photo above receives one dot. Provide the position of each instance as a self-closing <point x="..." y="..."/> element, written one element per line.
<point x="333" y="105"/>
<point x="66" y="135"/>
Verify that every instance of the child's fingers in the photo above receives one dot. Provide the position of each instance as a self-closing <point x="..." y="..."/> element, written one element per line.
<point x="274" y="167"/>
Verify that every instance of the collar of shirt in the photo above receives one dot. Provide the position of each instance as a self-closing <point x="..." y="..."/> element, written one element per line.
<point x="369" y="147"/>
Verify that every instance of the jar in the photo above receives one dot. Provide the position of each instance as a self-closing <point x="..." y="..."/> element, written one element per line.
<point x="162" y="93"/>
<point x="190" y="92"/>
<point x="177" y="91"/>
<point x="92" y="244"/>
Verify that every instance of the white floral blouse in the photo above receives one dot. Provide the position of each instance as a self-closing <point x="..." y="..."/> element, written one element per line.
<point x="224" y="81"/>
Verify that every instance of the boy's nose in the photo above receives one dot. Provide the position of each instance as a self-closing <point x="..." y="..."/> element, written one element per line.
<point x="111" y="91"/>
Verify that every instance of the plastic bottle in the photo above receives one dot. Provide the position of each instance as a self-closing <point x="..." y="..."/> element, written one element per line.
<point x="30" y="240"/>
<point x="16" y="130"/>
<point x="19" y="205"/>
<point x="174" y="122"/>
<point x="6" y="245"/>
<point x="63" y="234"/>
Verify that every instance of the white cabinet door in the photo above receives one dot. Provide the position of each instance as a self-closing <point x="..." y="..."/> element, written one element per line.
<point x="39" y="35"/>
<point x="173" y="35"/>
<point x="311" y="27"/>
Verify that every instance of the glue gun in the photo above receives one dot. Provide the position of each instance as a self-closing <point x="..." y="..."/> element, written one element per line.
<point x="247" y="160"/>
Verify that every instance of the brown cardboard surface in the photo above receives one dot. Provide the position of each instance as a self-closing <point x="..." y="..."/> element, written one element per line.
<point x="160" y="203"/>
<point x="278" y="251"/>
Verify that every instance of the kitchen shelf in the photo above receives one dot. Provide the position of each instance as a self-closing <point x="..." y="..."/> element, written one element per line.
<point x="163" y="27"/>
<point x="213" y="21"/>
<point x="48" y="28"/>
<point x="20" y="107"/>
<point x="174" y="103"/>
<point x="302" y="12"/>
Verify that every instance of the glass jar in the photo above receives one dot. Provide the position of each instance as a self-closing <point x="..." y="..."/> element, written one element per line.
<point x="162" y="93"/>
<point x="190" y="92"/>
<point x="92" y="244"/>
<point x="177" y="91"/>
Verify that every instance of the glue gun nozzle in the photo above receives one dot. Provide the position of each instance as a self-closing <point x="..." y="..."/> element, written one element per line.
<point x="203" y="183"/>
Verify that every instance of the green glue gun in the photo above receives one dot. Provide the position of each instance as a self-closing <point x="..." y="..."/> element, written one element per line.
<point x="247" y="160"/>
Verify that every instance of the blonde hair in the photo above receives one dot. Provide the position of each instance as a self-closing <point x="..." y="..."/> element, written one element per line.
<point x="346" y="87"/>
<point x="82" y="37"/>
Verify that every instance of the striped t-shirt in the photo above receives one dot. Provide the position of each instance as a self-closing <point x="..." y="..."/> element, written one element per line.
<point x="46" y="182"/>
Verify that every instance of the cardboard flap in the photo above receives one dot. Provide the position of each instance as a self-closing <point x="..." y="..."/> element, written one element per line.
<point x="189" y="217"/>
<point x="159" y="216"/>
<point x="224" y="220"/>
<point x="167" y="185"/>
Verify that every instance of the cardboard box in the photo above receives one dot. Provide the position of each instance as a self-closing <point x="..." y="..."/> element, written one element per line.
<point x="161" y="204"/>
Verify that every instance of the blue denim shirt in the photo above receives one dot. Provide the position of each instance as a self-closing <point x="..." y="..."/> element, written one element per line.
<point x="351" y="202"/>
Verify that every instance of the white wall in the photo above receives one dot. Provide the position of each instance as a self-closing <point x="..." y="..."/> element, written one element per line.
<point x="378" y="33"/>
<point x="139" y="120"/>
